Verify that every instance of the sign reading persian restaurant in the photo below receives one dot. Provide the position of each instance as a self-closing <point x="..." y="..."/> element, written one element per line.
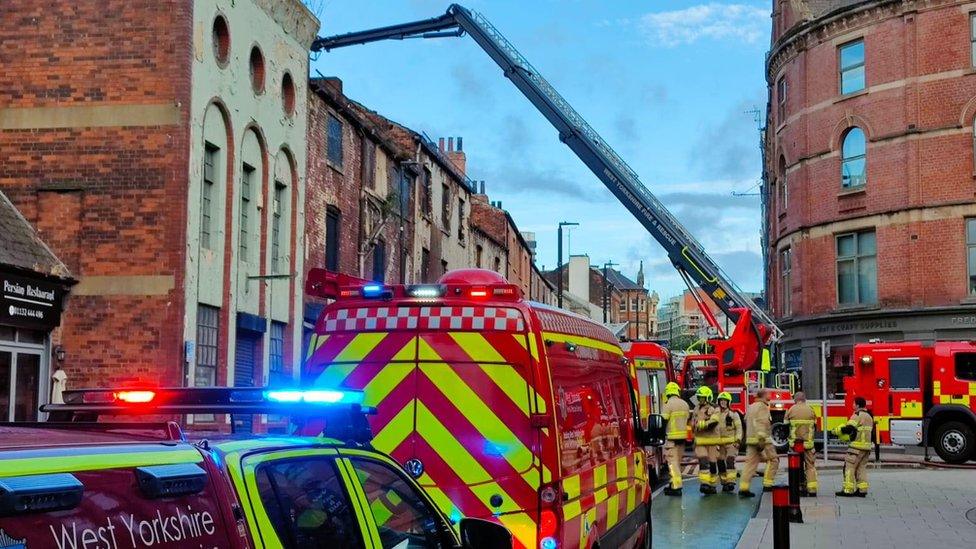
<point x="30" y="303"/>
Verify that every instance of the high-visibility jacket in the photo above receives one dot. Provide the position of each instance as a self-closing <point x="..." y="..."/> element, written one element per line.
<point x="864" y="423"/>
<point x="675" y="412"/>
<point x="706" y="425"/>
<point x="759" y="424"/>
<point x="729" y="426"/>
<point x="802" y="420"/>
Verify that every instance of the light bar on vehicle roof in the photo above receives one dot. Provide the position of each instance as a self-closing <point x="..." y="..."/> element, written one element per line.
<point x="328" y="396"/>
<point x="426" y="290"/>
<point x="374" y="291"/>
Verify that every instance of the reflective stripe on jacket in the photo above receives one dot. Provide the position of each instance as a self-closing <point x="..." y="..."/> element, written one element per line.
<point x="864" y="424"/>
<point x="675" y="412"/>
<point x="706" y="425"/>
<point x="759" y="423"/>
<point x="730" y="434"/>
<point x="802" y="420"/>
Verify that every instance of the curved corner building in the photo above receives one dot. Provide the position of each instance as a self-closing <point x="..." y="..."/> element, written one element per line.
<point x="870" y="216"/>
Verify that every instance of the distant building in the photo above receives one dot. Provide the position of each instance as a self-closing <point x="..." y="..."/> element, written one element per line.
<point x="618" y="299"/>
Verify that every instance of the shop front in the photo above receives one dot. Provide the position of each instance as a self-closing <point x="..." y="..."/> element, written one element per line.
<point x="33" y="286"/>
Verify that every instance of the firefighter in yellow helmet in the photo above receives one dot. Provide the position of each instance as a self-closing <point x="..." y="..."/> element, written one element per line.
<point x="730" y="433"/>
<point x="802" y="420"/>
<point x="707" y="440"/>
<point x="675" y="412"/>
<point x="858" y="431"/>
<point x="759" y="446"/>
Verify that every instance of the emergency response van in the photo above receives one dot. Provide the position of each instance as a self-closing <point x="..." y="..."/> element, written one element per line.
<point x="501" y="408"/>
<point x="80" y="484"/>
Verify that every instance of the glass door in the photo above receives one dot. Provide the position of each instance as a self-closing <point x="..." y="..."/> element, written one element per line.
<point x="20" y="384"/>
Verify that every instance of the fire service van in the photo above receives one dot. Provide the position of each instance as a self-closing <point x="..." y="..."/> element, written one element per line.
<point x="77" y="483"/>
<point x="501" y="408"/>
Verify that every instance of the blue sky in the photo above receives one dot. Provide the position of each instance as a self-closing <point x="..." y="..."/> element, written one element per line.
<point x="667" y="84"/>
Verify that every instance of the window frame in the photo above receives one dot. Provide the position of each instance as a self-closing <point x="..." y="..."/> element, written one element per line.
<point x="276" y="351"/>
<point x="446" y="206"/>
<point x="207" y="343"/>
<point x="845" y="160"/>
<point x="862" y="65"/>
<point x="782" y="89"/>
<point x="955" y="366"/>
<point x="786" y="281"/>
<point x="209" y="184"/>
<point x="243" y="232"/>
<point x="277" y="205"/>
<point x="334" y="150"/>
<point x="917" y="378"/>
<point x="855" y="261"/>
<point x="333" y="253"/>
<point x="379" y="261"/>
<point x="972" y="39"/>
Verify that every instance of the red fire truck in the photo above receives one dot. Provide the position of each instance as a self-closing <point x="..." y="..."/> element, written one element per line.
<point x="652" y="370"/>
<point x="919" y="393"/>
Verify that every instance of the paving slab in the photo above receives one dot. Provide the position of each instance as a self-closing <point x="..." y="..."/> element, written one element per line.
<point x="910" y="508"/>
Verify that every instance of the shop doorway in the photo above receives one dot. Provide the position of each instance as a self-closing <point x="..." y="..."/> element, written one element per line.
<point x="20" y="384"/>
<point x="245" y="358"/>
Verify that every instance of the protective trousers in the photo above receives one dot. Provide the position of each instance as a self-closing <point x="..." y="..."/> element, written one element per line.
<point x="856" y="471"/>
<point x="754" y="456"/>
<point x="673" y="451"/>
<point x="726" y="455"/>
<point x="709" y="466"/>
<point x="810" y="469"/>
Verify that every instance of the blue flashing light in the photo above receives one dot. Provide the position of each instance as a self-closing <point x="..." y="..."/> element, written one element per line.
<point x="318" y="396"/>
<point x="372" y="290"/>
<point x="455" y="517"/>
<point x="548" y="543"/>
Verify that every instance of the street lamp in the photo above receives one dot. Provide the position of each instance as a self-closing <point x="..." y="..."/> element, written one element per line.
<point x="559" y="262"/>
<point x="606" y="267"/>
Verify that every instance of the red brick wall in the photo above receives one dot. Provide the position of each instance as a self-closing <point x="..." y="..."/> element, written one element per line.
<point x="109" y="200"/>
<point x="920" y="155"/>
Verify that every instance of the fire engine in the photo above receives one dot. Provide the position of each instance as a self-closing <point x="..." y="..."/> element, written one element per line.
<point x="919" y="394"/>
<point x="501" y="408"/>
<point x="652" y="370"/>
<point x="743" y="349"/>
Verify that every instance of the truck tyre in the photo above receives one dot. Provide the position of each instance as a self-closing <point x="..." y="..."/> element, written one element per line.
<point x="780" y="435"/>
<point x="954" y="441"/>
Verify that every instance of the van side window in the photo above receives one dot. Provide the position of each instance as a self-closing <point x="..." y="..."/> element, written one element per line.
<point x="307" y="504"/>
<point x="966" y="366"/>
<point x="402" y="516"/>
<point x="904" y="373"/>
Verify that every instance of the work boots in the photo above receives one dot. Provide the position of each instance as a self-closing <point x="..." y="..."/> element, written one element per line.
<point x="746" y="494"/>
<point x="707" y="490"/>
<point x="669" y="491"/>
<point x="728" y="487"/>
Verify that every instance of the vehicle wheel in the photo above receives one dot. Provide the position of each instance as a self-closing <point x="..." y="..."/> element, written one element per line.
<point x="954" y="442"/>
<point x="780" y="435"/>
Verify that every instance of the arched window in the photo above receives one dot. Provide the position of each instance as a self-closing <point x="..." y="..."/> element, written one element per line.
<point x="853" y="167"/>
<point x="784" y="190"/>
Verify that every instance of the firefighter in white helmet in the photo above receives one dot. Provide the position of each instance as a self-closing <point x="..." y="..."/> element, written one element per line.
<point x="759" y="446"/>
<point x="707" y="440"/>
<point x="802" y="420"/>
<point x="858" y="431"/>
<point x="675" y="413"/>
<point x="730" y="433"/>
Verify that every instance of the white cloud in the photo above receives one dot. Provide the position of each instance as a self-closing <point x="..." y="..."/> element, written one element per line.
<point x="713" y="21"/>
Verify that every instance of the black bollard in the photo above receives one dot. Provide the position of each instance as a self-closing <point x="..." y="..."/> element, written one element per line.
<point x="795" y="463"/>
<point x="781" y="517"/>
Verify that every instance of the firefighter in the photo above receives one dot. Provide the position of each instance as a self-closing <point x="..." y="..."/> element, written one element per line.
<point x="759" y="447"/>
<point x="675" y="413"/>
<point x="802" y="420"/>
<point x="730" y="433"/>
<point x="858" y="431"/>
<point x="707" y="441"/>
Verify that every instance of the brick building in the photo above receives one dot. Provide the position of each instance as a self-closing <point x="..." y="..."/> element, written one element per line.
<point x="586" y="284"/>
<point x="870" y="218"/>
<point x="488" y="218"/>
<point x="158" y="148"/>
<point x="637" y="307"/>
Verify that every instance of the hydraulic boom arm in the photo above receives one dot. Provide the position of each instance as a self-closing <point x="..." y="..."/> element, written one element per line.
<point x="687" y="255"/>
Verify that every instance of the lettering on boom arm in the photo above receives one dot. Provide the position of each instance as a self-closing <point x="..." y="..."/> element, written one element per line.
<point x="175" y="528"/>
<point x="663" y="231"/>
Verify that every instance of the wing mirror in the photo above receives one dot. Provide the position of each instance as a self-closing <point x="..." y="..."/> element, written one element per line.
<point x="655" y="435"/>
<point x="483" y="534"/>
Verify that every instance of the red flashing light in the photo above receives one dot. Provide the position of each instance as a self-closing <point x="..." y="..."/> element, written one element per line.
<point x="348" y="293"/>
<point x="479" y="293"/>
<point x="548" y="524"/>
<point x="135" y="397"/>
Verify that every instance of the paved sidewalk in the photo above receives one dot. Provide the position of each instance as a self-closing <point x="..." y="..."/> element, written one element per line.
<point x="912" y="508"/>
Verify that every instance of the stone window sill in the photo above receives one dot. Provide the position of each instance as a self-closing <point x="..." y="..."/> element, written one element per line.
<point x="851" y="95"/>
<point x="845" y="309"/>
<point x="852" y="192"/>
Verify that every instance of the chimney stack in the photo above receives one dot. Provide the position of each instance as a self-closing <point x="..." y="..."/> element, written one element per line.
<point x="440" y="144"/>
<point x="455" y="153"/>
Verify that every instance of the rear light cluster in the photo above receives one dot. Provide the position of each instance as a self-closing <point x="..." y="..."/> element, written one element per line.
<point x="548" y="517"/>
<point x="496" y="292"/>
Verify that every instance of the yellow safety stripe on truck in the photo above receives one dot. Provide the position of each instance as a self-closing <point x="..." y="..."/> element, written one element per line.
<point x="93" y="460"/>
<point x="952" y="397"/>
<point x="583" y="341"/>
